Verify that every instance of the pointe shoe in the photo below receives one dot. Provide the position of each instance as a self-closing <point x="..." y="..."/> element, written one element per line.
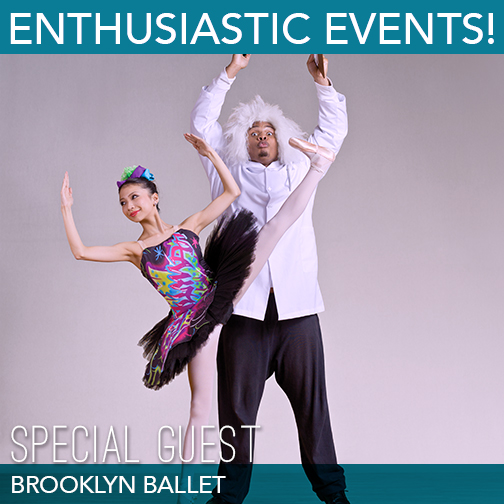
<point x="187" y="480"/>
<point x="321" y="157"/>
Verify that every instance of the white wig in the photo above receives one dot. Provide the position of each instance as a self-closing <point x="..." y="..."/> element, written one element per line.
<point x="245" y="115"/>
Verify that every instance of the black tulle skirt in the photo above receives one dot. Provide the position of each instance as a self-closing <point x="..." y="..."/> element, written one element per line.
<point x="229" y="252"/>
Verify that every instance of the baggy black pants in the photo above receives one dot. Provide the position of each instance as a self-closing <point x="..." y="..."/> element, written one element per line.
<point x="250" y="351"/>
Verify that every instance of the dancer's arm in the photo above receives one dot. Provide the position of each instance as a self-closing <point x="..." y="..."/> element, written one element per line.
<point x="126" y="251"/>
<point x="230" y="192"/>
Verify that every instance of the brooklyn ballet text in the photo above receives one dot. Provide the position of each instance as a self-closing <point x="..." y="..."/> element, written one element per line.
<point x="114" y="484"/>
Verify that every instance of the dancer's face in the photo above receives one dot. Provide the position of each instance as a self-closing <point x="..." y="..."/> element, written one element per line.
<point x="262" y="143"/>
<point x="137" y="202"/>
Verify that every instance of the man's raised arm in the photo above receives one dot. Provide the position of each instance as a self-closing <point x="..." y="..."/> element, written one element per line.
<point x="332" y="124"/>
<point x="206" y="112"/>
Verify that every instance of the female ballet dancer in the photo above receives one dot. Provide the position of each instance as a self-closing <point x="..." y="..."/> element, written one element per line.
<point x="201" y="291"/>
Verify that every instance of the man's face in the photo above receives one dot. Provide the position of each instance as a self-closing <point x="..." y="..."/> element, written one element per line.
<point x="262" y="143"/>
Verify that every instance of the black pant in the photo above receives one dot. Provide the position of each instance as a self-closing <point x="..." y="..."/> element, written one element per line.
<point x="250" y="351"/>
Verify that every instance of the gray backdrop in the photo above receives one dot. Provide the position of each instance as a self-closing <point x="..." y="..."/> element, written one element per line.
<point x="409" y="228"/>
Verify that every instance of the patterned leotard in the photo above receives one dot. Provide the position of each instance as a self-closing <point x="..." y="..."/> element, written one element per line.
<point x="177" y="270"/>
<point x="200" y="291"/>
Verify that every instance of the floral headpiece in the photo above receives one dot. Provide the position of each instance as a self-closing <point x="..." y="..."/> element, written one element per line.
<point x="134" y="172"/>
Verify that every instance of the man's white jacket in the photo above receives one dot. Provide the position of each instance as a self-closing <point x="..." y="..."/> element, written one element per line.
<point x="292" y="267"/>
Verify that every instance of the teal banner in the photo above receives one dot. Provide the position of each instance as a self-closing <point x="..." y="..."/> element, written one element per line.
<point x="279" y="484"/>
<point x="350" y="27"/>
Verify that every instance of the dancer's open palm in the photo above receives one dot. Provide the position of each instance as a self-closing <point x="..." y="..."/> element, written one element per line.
<point x="199" y="144"/>
<point x="66" y="192"/>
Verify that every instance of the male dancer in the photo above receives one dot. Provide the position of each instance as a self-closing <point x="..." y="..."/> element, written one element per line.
<point x="275" y="327"/>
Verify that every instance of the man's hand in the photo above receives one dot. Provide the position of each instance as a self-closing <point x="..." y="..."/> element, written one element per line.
<point x="315" y="72"/>
<point x="238" y="62"/>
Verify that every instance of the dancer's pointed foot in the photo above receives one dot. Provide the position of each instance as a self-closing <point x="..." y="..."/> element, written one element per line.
<point x="188" y="496"/>
<point x="321" y="157"/>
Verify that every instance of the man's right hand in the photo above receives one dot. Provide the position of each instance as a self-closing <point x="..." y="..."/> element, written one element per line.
<point x="238" y="62"/>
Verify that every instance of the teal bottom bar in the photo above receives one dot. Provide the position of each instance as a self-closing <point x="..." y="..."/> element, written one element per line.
<point x="271" y="484"/>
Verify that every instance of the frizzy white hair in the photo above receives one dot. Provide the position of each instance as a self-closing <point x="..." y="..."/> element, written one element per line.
<point x="245" y="115"/>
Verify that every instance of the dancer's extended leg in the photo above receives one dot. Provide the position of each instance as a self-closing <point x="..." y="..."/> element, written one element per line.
<point x="321" y="158"/>
<point x="202" y="368"/>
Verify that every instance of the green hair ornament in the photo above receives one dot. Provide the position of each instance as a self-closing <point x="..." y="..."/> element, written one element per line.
<point x="135" y="172"/>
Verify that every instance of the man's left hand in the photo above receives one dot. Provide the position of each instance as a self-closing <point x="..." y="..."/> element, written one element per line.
<point x="315" y="72"/>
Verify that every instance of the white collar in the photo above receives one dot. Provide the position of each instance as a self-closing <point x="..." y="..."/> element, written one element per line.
<point x="254" y="166"/>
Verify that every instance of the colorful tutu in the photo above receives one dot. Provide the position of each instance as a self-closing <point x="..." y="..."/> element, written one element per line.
<point x="200" y="291"/>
